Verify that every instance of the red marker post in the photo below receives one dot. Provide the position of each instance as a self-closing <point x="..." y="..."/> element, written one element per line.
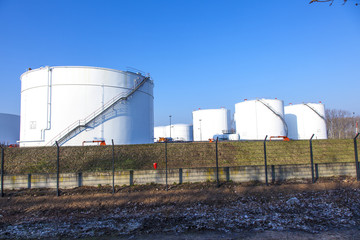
<point x="155" y="165"/>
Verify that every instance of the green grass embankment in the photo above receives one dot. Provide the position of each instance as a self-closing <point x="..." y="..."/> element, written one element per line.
<point x="180" y="155"/>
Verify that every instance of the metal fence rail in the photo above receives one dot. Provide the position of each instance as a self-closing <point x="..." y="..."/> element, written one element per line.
<point x="265" y="161"/>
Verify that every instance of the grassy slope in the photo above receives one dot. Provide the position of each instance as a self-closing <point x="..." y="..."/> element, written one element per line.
<point x="180" y="155"/>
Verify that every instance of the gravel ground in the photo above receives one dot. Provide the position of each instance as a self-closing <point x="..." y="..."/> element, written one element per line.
<point x="329" y="209"/>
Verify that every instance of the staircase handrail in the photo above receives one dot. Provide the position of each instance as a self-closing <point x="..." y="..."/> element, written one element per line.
<point x="276" y="113"/>
<point x="321" y="116"/>
<point x="97" y="112"/>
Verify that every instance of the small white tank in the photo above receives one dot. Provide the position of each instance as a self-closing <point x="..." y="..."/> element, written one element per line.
<point x="210" y="122"/>
<point x="255" y="119"/>
<point x="234" y="137"/>
<point x="179" y="132"/>
<point x="9" y="128"/>
<point x="306" y="119"/>
<point x="227" y="137"/>
<point x="159" y="132"/>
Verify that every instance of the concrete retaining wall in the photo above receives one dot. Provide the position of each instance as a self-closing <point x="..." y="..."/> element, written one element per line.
<point x="236" y="174"/>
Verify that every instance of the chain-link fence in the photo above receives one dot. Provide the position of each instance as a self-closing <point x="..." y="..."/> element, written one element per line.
<point x="175" y="162"/>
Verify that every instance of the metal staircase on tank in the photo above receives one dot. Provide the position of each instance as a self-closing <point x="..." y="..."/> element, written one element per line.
<point x="276" y="113"/>
<point x="104" y="113"/>
<point x="317" y="113"/>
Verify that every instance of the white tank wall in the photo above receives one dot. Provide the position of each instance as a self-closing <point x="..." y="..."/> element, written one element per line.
<point x="303" y="122"/>
<point x="9" y="128"/>
<point x="52" y="98"/>
<point x="159" y="132"/>
<point x="234" y="137"/>
<point x="254" y="120"/>
<point x="227" y="137"/>
<point x="210" y="122"/>
<point x="179" y="132"/>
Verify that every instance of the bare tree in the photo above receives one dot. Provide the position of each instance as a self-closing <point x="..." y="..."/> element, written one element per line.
<point x="331" y="1"/>
<point x="340" y="123"/>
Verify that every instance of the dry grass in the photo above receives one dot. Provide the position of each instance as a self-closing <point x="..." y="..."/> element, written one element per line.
<point x="180" y="155"/>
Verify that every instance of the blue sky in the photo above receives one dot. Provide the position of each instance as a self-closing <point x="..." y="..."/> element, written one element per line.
<point x="201" y="54"/>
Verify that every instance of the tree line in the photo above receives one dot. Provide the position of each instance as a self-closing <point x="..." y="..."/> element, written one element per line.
<point x="332" y="1"/>
<point x="340" y="123"/>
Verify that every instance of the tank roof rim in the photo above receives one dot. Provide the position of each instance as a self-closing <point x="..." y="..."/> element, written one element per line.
<point x="175" y="124"/>
<point x="207" y="109"/>
<point x="10" y="114"/>
<point x="301" y="104"/>
<point x="88" y="67"/>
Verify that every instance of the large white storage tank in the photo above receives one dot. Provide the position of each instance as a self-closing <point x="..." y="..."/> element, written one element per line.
<point x="210" y="122"/>
<point x="179" y="132"/>
<point x="254" y="119"/>
<point x="306" y="119"/>
<point x="73" y="104"/>
<point x="9" y="128"/>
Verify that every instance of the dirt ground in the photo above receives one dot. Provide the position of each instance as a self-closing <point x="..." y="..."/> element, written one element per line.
<point x="328" y="209"/>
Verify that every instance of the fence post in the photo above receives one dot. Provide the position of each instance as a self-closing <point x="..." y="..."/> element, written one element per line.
<point x="57" y="168"/>
<point x="227" y="171"/>
<point x="29" y="181"/>
<point x="265" y="162"/>
<point x="2" y="170"/>
<point x="180" y="176"/>
<point x="80" y="179"/>
<point x="113" y="167"/>
<point x="217" y="163"/>
<point x="316" y="172"/>
<point x="356" y="158"/>
<point x="166" y="171"/>
<point x="131" y="177"/>
<point x="273" y="176"/>
<point x="312" y="160"/>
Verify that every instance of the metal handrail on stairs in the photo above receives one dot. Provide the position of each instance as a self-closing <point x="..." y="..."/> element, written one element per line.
<point x="276" y="113"/>
<point x="63" y="135"/>
<point x="317" y="113"/>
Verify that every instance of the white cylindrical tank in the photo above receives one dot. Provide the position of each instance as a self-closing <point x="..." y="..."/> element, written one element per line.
<point x="159" y="132"/>
<point x="210" y="122"/>
<point x="306" y="119"/>
<point x="9" y="128"/>
<point x="255" y="119"/>
<point x="179" y="132"/>
<point x="234" y="137"/>
<point x="73" y="104"/>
